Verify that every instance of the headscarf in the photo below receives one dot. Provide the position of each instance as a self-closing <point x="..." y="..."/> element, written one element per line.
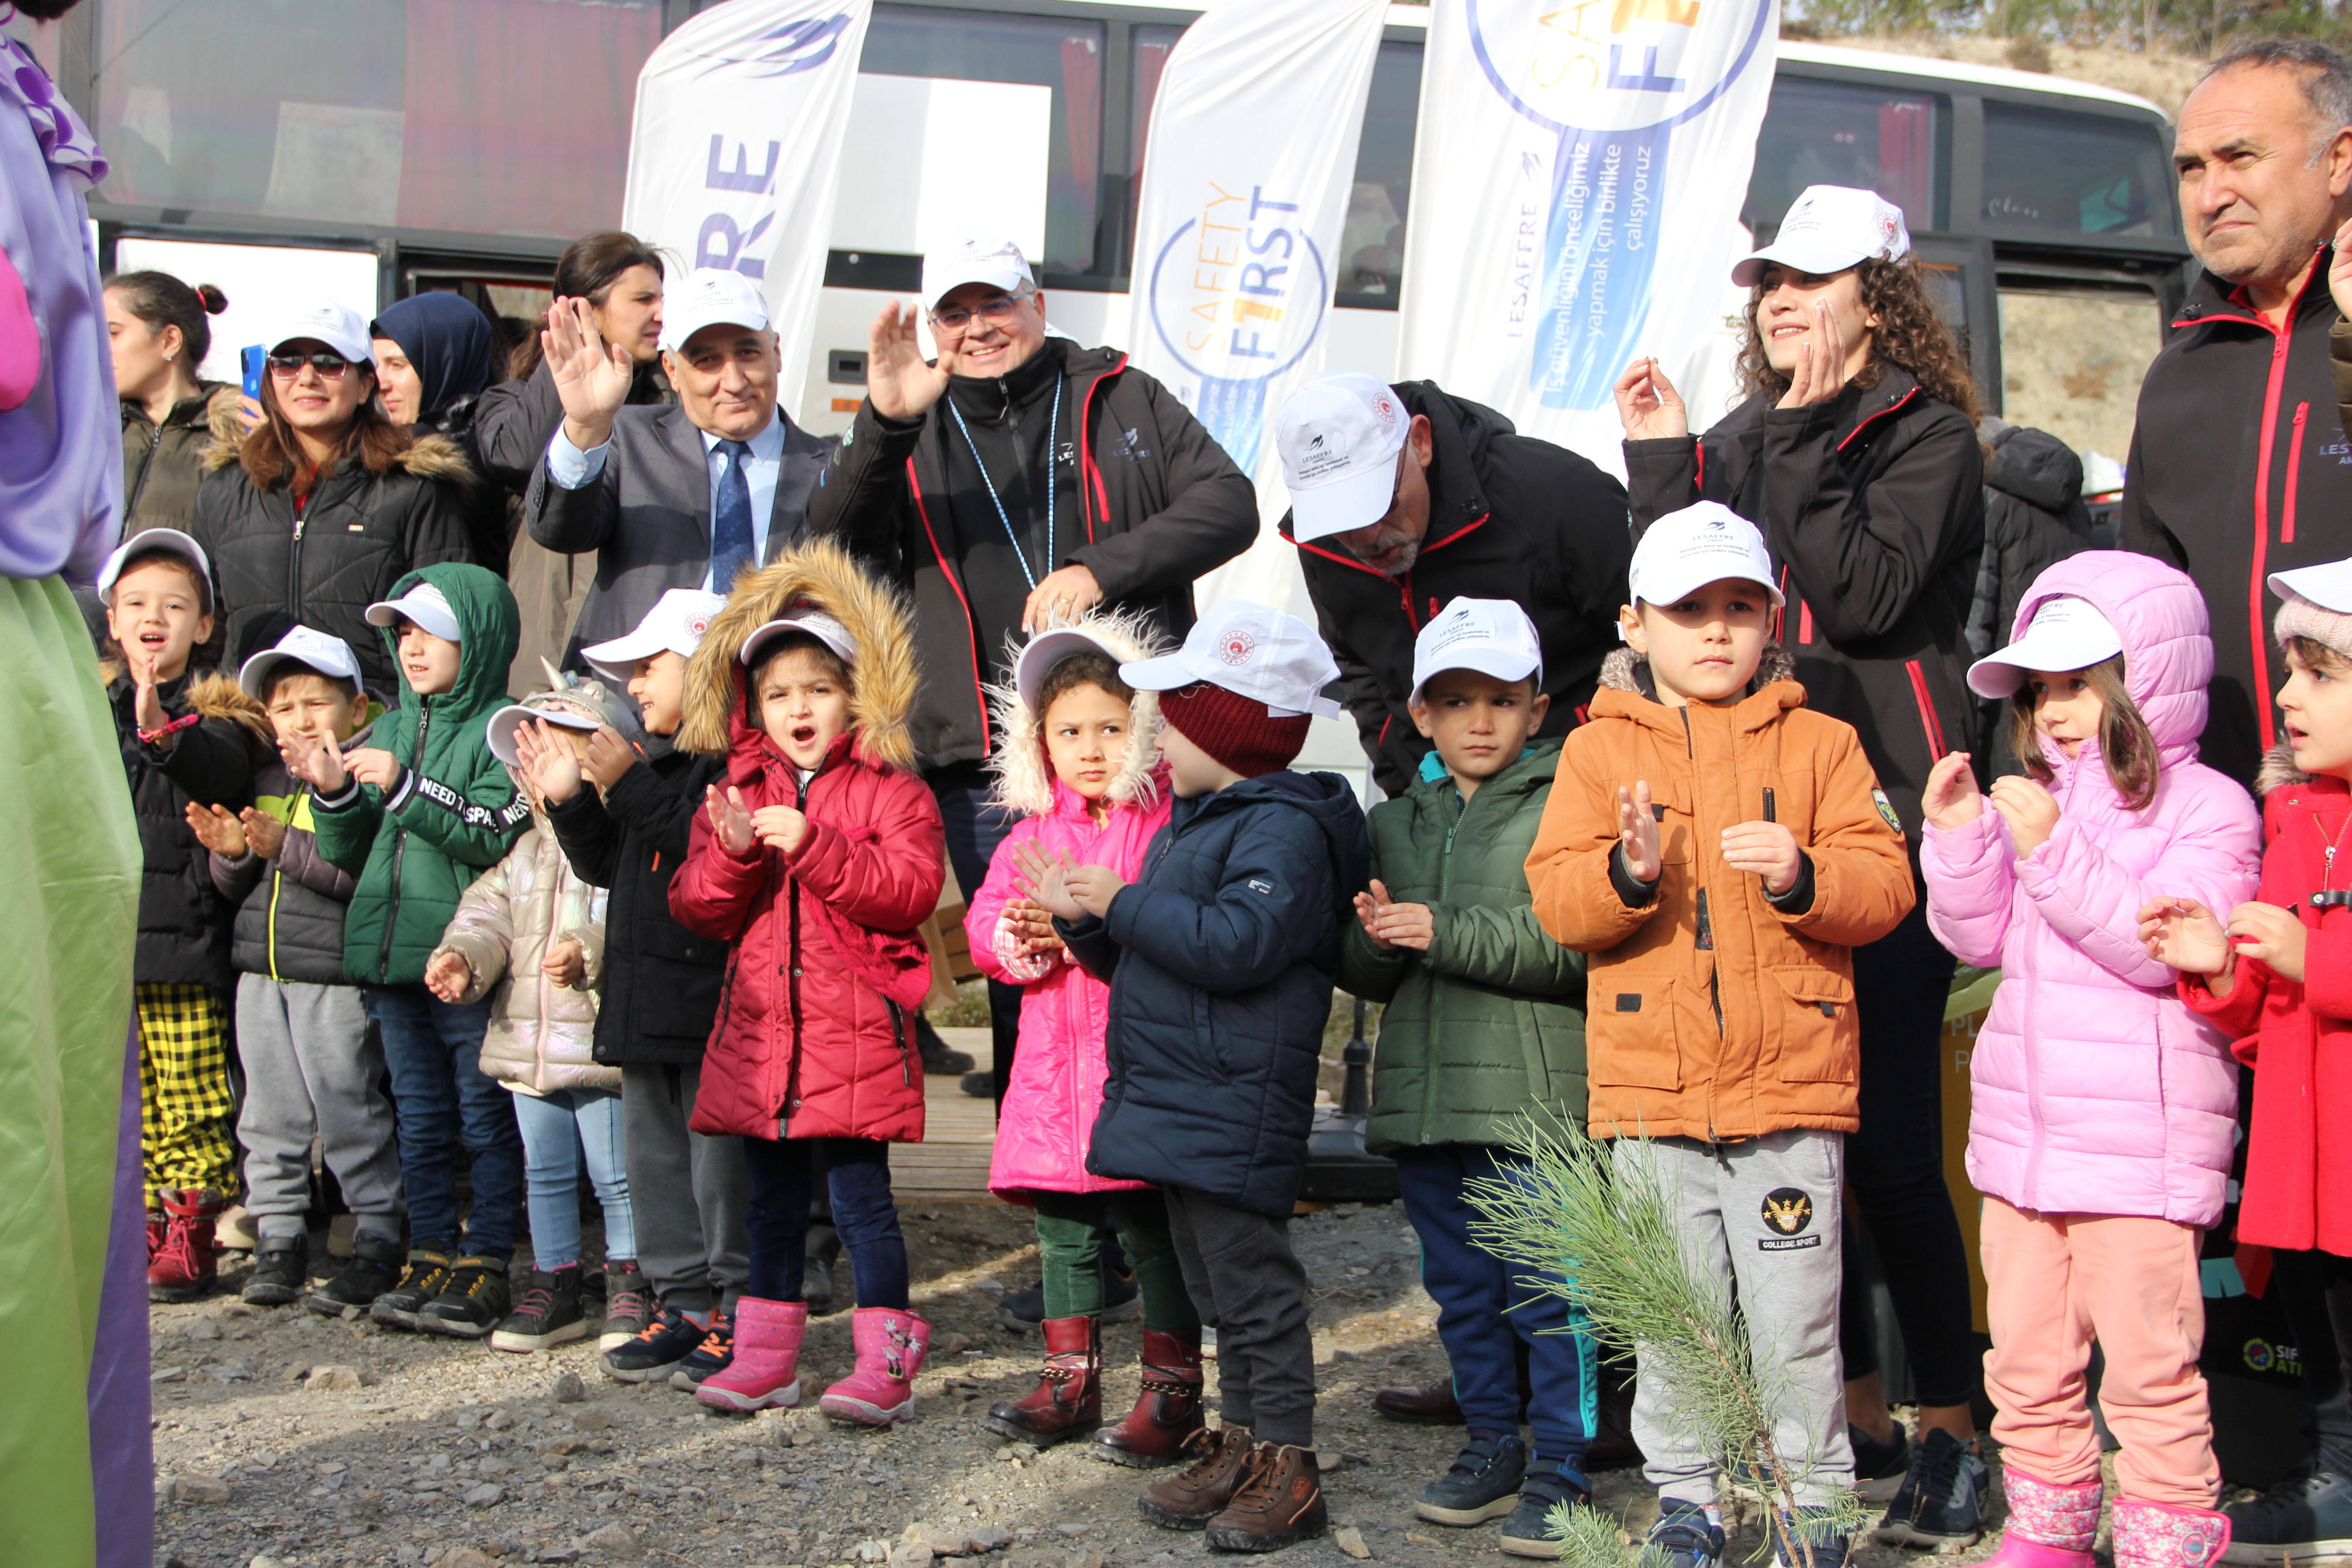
<point x="449" y="341"/>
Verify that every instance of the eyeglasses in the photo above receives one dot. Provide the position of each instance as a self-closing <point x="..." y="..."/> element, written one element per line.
<point x="956" y="317"/>
<point x="331" y="367"/>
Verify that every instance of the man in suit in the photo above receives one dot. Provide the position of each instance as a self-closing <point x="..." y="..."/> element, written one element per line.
<point x="681" y="497"/>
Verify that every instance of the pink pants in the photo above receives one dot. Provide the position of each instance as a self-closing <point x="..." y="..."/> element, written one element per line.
<point x="2055" y="1282"/>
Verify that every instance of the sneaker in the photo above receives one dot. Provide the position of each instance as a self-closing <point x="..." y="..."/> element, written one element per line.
<point x="425" y="1277"/>
<point x="282" y="1271"/>
<point x="714" y="1353"/>
<point x="980" y="1085"/>
<point x="1278" y="1503"/>
<point x="1878" y="1468"/>
<point x="2306" y="1516"/>
<point x="1528" y="1530"/>
<point x="1818" y="1543"/>
<point x="1940" y="1503"/>
<point x="628" y="1305"/>
<point x="373" y="1269"/>
<point x="1687" y="1537"/>
<point x="1122" y="1300"/>
<point x="667" y="1337"/>
<point x="1483" y="1484"/>
<point x="473" y="1302"/>
<point x="547" y="1314"/>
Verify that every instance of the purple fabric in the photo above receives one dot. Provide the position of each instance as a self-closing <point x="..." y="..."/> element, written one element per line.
<point x="121" y="1436"/>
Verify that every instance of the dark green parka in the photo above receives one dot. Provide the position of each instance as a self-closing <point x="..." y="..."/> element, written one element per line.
<point x="1488" y="1024"/>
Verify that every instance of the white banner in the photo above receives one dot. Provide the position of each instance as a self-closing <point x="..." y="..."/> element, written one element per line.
<point x="1576" y="189"/>
<point x="736" y="151"/>
<point x="1246" y="171"/>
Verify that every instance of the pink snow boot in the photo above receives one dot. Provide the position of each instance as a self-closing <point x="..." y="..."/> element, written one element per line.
<point x="890" y="1346"/>
<point x="765" y="1372"/>
<point x="2049" y="1526"/>
<point x="2161" y="1535"/>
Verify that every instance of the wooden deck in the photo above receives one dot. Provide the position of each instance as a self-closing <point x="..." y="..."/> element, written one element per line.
<point x="951" y="1164"/>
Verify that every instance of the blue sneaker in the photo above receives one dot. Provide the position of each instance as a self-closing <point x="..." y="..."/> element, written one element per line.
<point x="1940" y="1503"/>
<point x="1527" y="1533"/>
<point x="1484" y="1483"/>
<point x="1687" y="1537"/>
<point x="669" y="1338"/>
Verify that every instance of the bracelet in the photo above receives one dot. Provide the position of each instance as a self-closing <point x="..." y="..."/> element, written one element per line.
<point x="157" y="737"/>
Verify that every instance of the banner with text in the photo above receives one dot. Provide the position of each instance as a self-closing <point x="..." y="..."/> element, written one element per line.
<point x="1576" y="190"/>
<point x="736" y="151"/>
<point x="1247" y="167"/>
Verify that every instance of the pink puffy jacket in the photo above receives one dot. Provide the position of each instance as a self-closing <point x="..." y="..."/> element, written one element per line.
<point x="2095" y="1090"/>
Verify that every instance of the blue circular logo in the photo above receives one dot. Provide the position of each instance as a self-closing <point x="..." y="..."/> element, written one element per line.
<point x="1547" y="66"/>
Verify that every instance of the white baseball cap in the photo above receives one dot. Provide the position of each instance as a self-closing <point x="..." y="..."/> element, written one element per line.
<point x="1041" y="653"/>
<point x="2328" y="585"/>
<point x="424" y="606"/>
<point x="1493" y="636"/>
<point x="2066" y="633"/>
<point x="1251" y="650"/>
<point x="1339" y="436"/>
<point x="1697" y="545"/>
<point x="674" y="625"/>
<point x="808" y="619"/>
<point x="339" y="327"/>
<point x="313" y="651"/>
<point x="710" y="297"/>
<point x="514" y="716"/>
<point x="148" y="541"/>
<point x="1830" y="228"/>
<point x="989" y="259"/>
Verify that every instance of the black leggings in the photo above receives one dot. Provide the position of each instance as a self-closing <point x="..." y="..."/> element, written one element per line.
<point x="974" y="827"/>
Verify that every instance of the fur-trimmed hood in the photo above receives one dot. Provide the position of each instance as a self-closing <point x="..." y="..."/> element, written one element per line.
<point x="1625" y="671"/>
<point x="822" y="574"/>
<point x="2278" y="770"/>
<point x="215" y="694"/>
<point x="1025" y="783"/>
<point x="426" y="457"/>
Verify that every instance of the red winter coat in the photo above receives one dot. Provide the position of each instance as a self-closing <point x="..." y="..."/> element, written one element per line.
<point x="2296" y="1037"/>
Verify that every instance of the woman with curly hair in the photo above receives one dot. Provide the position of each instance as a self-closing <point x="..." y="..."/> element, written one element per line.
<point x="1854" y="450"/>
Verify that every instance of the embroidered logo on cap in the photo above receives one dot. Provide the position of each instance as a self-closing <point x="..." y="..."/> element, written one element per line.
<point x="1237" y="646"/>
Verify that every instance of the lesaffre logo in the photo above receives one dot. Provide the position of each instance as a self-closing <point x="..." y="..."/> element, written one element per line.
<point x="789" y="48"/>
<point x="1324" y="453"/>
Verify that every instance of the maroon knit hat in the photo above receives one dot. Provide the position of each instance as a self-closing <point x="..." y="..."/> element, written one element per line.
<point x="1237" y="731"/>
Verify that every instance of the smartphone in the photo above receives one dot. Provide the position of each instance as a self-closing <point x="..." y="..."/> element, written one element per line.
<point x="256" y="363"/>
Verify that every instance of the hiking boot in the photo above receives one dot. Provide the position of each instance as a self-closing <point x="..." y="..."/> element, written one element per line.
<point x="710" y="1353"/>
<point x="547" y="1314"/>
<point x="1167" y="1412"/>
<point x="2306" y="1515"/>
<point x="1940" y="1503"/>
<point x="1122" y="1300"/>
<point x="1686" y="1535"/>
<point x="1430" y="1404"/>
<point x="1199" y="1492"/>
<point x="282" y="1271"/>
<point x="1879" y="1468"/>
<point x="425" y="1277"/>
<point x="939" y="1058"/>
<point x="763" y="1373"/>
<point x="1278" y="1503"/>
<point x="2162" y="1535"/>
<point x="628" y="1305"/>
<point x="184" y="1265"/>
<point x="2048" y="1527"/>
<point x="373" y="1269"/>
<point x="1483" y="1484"/>
<point x="1812" y="1540"/>
<point x="474" y="1301"/>
<point x="668" y="1337"/>
<point x="890" y="1347"/>
<point x="1528" y="1532"/>
<point x="1067" y="1400"/>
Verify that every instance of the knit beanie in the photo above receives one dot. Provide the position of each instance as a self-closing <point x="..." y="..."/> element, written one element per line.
<point x="2300" y="617"/>
<point x="1239" y="731"/>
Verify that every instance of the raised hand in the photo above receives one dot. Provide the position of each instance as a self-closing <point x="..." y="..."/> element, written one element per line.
<point x="2272" y="934"/>
<point x="730" y="823"/>
<point x="1820" y="375"/>
<point x="218" y="829"/>
<point x="150" y="702"/>
<point x="1766" y="848"/>
<point x="1637" y="833"/>
<point x="2030" y="811"/>
<point x="264" y="834"/>
<point x="1950" y="799"/>
<point x="591" y="376"/>
<point x="566" y="963"/>
<point x="898" y="380"/>
<point x="2185" y="935"/>
<point x="609" y="756"/>
<point x="548" y="761"/>
<point x="781" y="827"/>
<point x="1045" y="879"/>
<point x="447" y="975"/>
<point x="1648" y="407"/>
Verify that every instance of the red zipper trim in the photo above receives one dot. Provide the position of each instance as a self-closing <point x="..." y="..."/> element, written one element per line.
<point x="1088" y="467"/>
<point x="1896" y="407"/>
<point x="1334" y="555"/>
<point x="1700" y="447"/>
<point x="2294" y="472"/>
<point x="1804" y="622"/>
<point x="1384" y="731"/>
<point x="972" y="627"/>
<point x="1928" y="720"/>
<point x="1480" y="521"/>
<point x="2256" y="631"/>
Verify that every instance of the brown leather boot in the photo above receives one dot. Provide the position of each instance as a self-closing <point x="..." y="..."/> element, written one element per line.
<point x="1278" y="1503"/>
<point x="1430" y="1404"/>
<point x="1067" y="1400"/>
<point x="1201" y="1490"/>
<point x="1166" y="1413"/>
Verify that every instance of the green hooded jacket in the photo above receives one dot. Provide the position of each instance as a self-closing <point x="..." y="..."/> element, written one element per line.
<point x="1487" y="1025"/>
<point x="455" y="811"/>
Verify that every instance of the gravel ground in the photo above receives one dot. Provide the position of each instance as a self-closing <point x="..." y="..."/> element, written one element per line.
<point x="457" y="1456"/>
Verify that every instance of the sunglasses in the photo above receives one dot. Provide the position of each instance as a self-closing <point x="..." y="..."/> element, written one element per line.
<point x="999" y="309"/>
<point x="331" y="367"/>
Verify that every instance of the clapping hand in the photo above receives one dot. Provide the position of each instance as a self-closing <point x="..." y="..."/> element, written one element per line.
<point x="1950" y="799"/>
<point x="2030" y="811"/>
<point x="1820" y="375"/>
<point x="781" y="827"/>
<point x="374" y="765"/>
<point x="2272" y="934"/>
<point x="1045" y="879"/>
<point x="319" y="766"/>
<point x="1766" y="848"/>
<point x="1648" y="407"/>
<point x="730" y="824"/>
<point x="1637" y="833"/>
<point x="1094" y="887"/>
<point x="609" y="756"/>
<point x="1391" y="925"/>
<point x="218" y="829"/>
<point x="1033" y="923"/>
<point x="148" y="709"/>
<point x="901" y="385"/>
<point x="264" y="834"/>
<point x="547" y="759"/>
<point x="2183" y="934"/>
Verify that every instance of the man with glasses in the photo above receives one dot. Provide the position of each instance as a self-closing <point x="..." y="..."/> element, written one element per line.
<point x="1404" y="499"/>
<point x="1015" y="481"/>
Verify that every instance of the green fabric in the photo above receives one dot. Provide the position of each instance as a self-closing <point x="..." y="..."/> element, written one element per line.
<point x="71" y="845"/>
<point x="1070" y="1231"/>
<point x="458" y="812"/>
<point x="1488" y="1024"/>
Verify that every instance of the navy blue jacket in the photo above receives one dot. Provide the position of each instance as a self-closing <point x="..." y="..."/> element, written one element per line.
<point x="1220" y="959"/>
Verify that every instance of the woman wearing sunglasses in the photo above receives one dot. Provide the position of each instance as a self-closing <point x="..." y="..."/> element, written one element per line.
<point x="325" y="504"/>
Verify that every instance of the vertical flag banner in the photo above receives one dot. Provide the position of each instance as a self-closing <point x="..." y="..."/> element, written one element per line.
<point x="1248" y="162"/>
<point x="735" y="154"/>
<point x="1579" y="167"/>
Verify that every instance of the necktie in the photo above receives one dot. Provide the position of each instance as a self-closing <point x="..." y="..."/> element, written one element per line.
<point x="731" y="520"/>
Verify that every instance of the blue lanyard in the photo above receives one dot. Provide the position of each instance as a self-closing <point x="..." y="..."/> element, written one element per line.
<point x="1053" y="434"/>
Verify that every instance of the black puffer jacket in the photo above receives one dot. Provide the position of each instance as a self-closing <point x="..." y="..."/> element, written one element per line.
<point x="183" y="921"/>
<point x="1872" y="503"/>
<point x="290" y="911"/>
<point x="1510" y="517"/>
<point x="2035" y="518"/>
<point x="357" y="534"/>
<point x="661" y="981"/>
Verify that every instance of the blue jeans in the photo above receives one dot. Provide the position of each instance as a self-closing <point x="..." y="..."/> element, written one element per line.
<point x="557" y="1128"/>
<point x="857" y="1174"/>
<point x="1485" y="1311"/>
<point x="441" y="1098"/>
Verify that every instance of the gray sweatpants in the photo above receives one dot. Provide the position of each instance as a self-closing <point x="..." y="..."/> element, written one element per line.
<point x="312" y="1069"/>
<point x="690" y="1194"/>
<point x="1770" y="1209"/>
<point x="1244" y="1280"/>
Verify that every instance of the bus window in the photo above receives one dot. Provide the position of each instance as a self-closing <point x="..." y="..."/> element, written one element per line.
<point x="1152" y="46"/>
<point x="1884" y="139"/>
<point x="1066" y="56"/>
<point x="2052" y="170"/>
<point x="2072" y="362"/>
<point x="1372" y="243"/>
